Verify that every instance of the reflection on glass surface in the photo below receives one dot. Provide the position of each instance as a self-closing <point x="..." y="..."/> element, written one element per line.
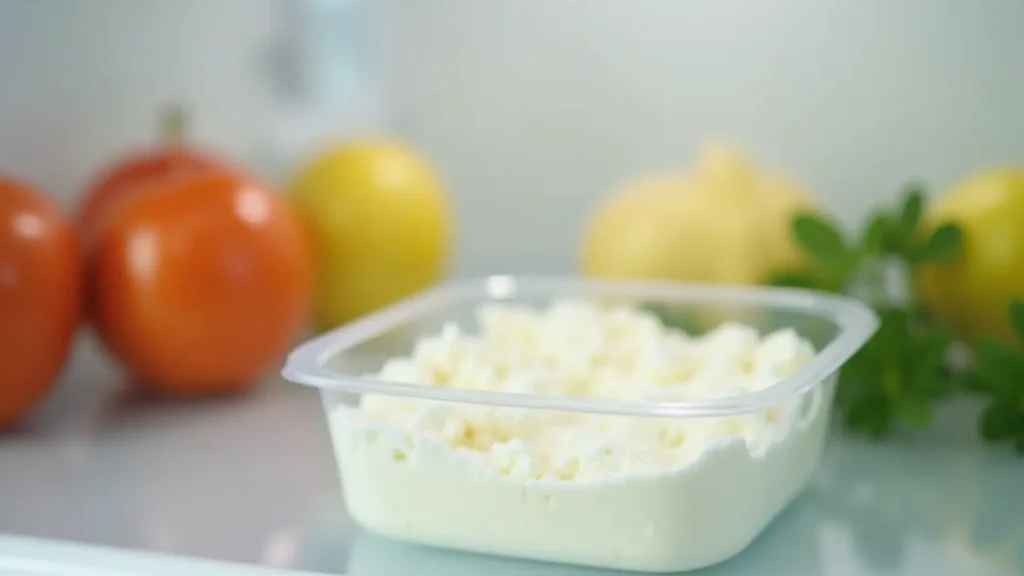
<point x="880" y="509"/>
<point x="984" y="513"/>
<point x="937" y="504"/>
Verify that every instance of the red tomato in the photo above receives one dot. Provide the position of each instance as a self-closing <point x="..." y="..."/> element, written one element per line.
<point x="172" y="158"/>
<point x="201" y="283"/>
<point x="132" y="176"/>
<point x="40" y="297"/>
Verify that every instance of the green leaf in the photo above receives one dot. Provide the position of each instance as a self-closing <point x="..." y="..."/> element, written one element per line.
<point x="871" y="415"/>
<point x="932" y="348"/>
<point x="878" y="235"/>
<point x="854" y="416"/>
<point x="929" y="385"/>
<point x="1000" y="421"/>
<point x="910" y="213"/>
<point x="914" y="411"/>
<point x="858" y="413"/>
<point x="892" y="381"/>
<point x="893" y="332"/>
<point x="793" y="279"/>
<point x="944" y="245"/>
<point x="924" y="365"/>
<point x="972" y="381"/>
<point x="858" y="379"/>
<point x="1017" y="316"/>
<point x="880" y="424"/>
<point x="821" y="239"/>
<point x="1000" y="365"/>
<point x="1018" y="444"/>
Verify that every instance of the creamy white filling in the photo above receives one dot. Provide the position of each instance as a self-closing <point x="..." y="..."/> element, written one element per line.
<point x="657" y="494"/>
<point x="581" y="349"/>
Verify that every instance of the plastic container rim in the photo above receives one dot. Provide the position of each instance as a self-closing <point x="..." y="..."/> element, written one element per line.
<point x="856" y="322"/>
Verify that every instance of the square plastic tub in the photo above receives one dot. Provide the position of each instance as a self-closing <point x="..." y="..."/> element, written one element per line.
<point x="405" y="486"/>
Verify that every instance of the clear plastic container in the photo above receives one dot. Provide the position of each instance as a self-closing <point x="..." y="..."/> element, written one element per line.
<point x="399" y="485"/>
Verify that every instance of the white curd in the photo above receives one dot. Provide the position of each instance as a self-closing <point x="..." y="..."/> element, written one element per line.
<point x="650" y="494"/>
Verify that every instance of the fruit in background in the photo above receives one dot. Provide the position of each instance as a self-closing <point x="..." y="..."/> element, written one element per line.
<point x="727" y="222"/>
<point x="201" y="283"/>
<point x="40" y="297"/>
<point x="171" y="158"/>
<point x="380" y="223"/>
<point x="973" y="292"/>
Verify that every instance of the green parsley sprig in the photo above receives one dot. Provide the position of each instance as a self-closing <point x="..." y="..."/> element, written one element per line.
<point x="901" y="372"/>
<point x="998" y="373"/>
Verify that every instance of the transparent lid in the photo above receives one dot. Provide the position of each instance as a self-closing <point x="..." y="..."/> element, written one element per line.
<point x="837" y="326"/>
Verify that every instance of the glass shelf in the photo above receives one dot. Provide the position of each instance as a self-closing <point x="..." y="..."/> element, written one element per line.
<point x="119" y="487"/>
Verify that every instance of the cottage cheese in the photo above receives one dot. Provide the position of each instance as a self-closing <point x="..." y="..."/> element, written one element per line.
<point x="653" y="494"/>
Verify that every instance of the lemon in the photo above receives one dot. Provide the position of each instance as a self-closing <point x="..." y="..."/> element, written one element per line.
<point x="973" y="292"/>
<point x="380" y="224"/>
<point x="725" y="221"/>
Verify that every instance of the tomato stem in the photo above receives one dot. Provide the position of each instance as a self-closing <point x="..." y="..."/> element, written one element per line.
<point x="173" y="123"/>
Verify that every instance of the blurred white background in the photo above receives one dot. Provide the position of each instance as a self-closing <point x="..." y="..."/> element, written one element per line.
<point x="531" y="108"/>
